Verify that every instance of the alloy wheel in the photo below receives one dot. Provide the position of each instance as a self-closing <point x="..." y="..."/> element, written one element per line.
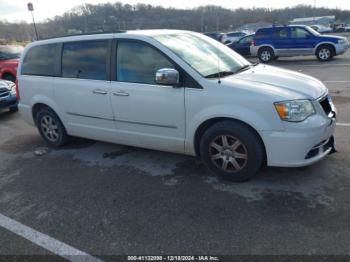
<point x="265" y="56"/>
<point x="324" y="53"/>
<point x="49" y="128"/>
<point x="228" y="153"/>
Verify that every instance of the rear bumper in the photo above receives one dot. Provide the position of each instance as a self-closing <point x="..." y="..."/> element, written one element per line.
<point x="254" y="50"/>
<point x="302" y="146"/>
<point x="26" y="113"/>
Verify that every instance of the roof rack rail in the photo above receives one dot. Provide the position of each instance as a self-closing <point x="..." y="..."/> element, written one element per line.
<point x="88" y="33"/>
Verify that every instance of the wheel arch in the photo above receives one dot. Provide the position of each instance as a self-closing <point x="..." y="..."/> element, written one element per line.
<point x="39" y="106"/>
<point x="212" y="121"/>
<point x="267" y="46"/>
<point x="326" y="44"/>
<point x="7" y="73"/>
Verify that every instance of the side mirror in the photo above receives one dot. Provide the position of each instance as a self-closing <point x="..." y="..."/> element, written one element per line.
<point x="167" y="76"/>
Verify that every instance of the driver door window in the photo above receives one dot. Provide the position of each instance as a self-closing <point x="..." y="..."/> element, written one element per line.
<point x="300" y="33"/>
<point x="138" y="62"/>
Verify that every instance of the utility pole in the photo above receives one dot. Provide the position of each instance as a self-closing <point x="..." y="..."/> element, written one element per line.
<point x="314" y="11"/>
<point x="31" y="9"/>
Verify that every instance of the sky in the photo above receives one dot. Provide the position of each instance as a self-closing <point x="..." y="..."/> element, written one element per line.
<point x="16" y="10"/>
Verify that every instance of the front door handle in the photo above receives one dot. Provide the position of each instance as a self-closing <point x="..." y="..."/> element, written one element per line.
<point x="121" y="93"/>
<point x="99" y="92"/>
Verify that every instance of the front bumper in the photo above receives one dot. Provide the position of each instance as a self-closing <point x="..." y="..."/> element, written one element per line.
<point x="8" y="102"/>
<point x="341" y="48"/>
<point x="301" y="144"/>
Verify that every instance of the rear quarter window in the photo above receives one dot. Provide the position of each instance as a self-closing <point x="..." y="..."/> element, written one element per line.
<point x="41" y="60"/>
<point x="263" y="33"/>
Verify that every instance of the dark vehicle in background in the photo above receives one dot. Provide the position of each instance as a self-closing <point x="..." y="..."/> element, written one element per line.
<point x="232" y="37"/>
<point x="9" y="58"/>
<point x="242" y="46"/>
<point x="8" y="96"/>
<point x="272" y="42"/>
<point x="215" y="35"/>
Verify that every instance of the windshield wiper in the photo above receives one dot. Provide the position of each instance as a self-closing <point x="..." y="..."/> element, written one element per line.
<point x="243" y="68"/>
<point x="220" y="74"/>
<point x="228" y="73"/>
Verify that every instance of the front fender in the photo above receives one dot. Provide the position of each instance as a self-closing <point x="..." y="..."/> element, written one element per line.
<point x="259" y="121"/>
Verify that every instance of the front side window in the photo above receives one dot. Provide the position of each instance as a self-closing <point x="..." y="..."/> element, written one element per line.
<point x="300" y="33"/>
<point x="138" y="62"/>
<point x="204" y="55"/>
<point x="85" y="60"/>
<point x="40" y="60"/>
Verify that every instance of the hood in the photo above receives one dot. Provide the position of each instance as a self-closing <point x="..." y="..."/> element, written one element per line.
<point x="10" y="61"/>
<point x="333" y="37"/>
<point x="289" y="82"/>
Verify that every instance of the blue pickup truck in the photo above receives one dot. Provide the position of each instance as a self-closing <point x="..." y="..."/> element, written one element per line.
<point x="273" y="42"/>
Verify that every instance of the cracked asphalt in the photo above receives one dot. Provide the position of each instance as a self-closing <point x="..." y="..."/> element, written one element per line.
<point x="106" y="199"/>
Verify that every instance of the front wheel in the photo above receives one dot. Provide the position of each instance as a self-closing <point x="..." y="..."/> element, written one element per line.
<point x="324" y="53"/>
<point x="232" y="150"/>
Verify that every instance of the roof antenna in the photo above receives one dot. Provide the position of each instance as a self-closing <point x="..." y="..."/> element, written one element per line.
<point x="217" y="54"/>
<point x="219" y="80"/>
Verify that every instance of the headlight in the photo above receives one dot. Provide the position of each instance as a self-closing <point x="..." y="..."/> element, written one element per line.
<point x="295" y="110"/>
<point x="12" y="88"/>
<point x="342" y="41"/>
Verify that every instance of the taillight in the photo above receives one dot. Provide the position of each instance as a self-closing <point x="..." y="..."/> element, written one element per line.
<point x="17" y="91"/>
<point x="253" y="43"/>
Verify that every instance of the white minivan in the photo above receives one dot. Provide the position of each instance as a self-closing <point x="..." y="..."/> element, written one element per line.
<point x="175" y="91"/>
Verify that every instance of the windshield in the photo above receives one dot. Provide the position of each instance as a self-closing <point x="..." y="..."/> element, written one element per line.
<point x="312" y="31"/>
<point x="206" y="56"/>
<point x="10" y="52"/>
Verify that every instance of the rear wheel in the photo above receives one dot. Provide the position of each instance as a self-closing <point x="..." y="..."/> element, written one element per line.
<point x="232" y="150"/>
<point x="324" y="53"/>
<point x="51" y="128"/>
<point x="266" y="54"/>
<point x="9" y="77"/>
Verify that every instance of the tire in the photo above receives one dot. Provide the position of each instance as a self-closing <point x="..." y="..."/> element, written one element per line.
<point x="9" y="77"/>
<point x="266" y="54"/>
<point x="242" y="152"/>
<point x="51" y="128"/>
<point x="324" y="53"/>
<point x="13" y="109"/>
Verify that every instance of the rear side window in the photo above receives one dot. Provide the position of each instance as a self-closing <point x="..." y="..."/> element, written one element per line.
<point x="41" y="60"/>
<point x="263" y="33"/>
<point x="280" y="33"/>
<point x="85" y="60"/>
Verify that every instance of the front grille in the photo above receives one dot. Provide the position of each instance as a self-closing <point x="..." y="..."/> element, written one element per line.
<point x="326" y="105"/>
<point x="4" y="92"/>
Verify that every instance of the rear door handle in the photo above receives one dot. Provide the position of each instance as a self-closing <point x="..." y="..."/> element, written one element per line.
<point x="99" y="92"/>
<point x="121" y="93"/>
